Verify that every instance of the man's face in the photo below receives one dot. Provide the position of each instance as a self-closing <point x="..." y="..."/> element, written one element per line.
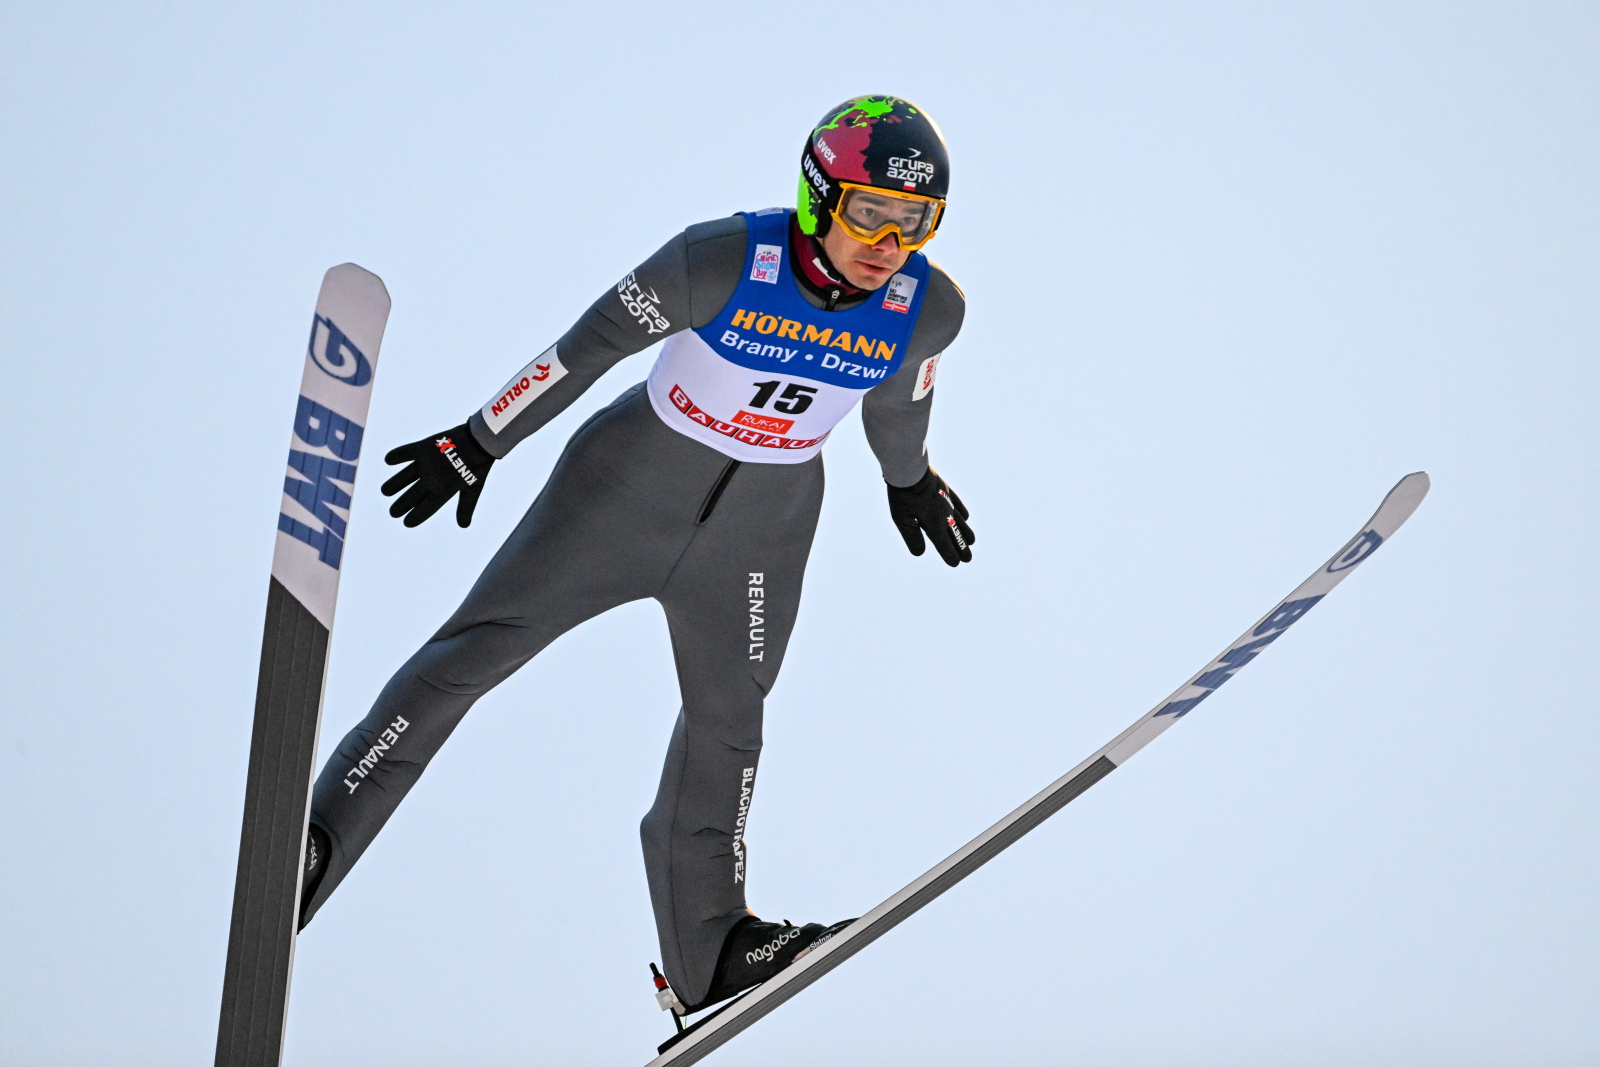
<point x="864" y="266"/>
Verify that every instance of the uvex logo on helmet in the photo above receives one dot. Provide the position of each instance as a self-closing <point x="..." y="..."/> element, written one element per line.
<point x="882" y="141"/>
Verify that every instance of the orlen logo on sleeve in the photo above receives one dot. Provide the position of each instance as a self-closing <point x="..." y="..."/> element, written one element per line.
<point x="902" y="287"/>
<point x="523" y="388"/>
<point x="925" y="376"/>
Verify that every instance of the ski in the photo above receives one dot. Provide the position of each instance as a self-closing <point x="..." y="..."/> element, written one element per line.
<point x="697" y="1041"/>
<point x="335" y="390"/>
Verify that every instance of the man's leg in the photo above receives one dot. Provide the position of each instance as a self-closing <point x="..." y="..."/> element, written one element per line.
<point x="607" y="528"/>
<point x="731" y="603"/>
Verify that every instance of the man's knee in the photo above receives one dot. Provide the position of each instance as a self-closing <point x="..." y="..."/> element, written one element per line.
<point x="472" y="661"/>
<point x="655" y="831"/>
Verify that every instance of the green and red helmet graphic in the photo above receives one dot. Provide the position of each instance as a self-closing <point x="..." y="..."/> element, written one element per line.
<point x="882" y="141"/>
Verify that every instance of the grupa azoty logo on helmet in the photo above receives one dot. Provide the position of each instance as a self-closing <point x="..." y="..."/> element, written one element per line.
<point x="910" y="171"/>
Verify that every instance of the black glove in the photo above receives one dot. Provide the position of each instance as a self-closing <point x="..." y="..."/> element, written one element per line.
<point x="933" y="506"/>
<point x="442" y="466"/>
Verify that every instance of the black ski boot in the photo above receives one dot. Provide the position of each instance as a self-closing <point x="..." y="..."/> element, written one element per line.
<point x="316" y="866"/>
<point x="755" y="951"/>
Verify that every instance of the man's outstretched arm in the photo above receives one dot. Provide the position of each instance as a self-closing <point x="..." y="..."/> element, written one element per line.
<point x="684" y="284"/>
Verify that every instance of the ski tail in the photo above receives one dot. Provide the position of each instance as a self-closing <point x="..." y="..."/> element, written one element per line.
<point x="324" y="450"/>
<point x="1396" y="508"/>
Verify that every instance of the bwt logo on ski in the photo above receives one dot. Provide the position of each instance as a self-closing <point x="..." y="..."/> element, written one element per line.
<point x="1364" y="546"/>
<point x="1224" y="666"/>
<point x="324" y="482"/>
<point x="335" y="355"/>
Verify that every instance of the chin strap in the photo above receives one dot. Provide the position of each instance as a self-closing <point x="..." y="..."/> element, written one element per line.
<point x="825" y="265"/>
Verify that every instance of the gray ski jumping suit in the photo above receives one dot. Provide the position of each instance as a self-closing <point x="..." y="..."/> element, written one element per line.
<point x="712" y="519"/>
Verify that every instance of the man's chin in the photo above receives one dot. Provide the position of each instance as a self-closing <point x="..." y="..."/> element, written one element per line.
<point x="870" y="279"/>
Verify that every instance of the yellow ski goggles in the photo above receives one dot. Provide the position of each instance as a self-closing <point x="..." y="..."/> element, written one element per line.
<point x="868" y="213"/>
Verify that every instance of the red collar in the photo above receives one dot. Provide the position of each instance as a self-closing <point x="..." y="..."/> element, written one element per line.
<point x="815" y="267"/>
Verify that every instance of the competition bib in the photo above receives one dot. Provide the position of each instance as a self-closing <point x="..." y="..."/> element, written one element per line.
<point x="769" y="378"/>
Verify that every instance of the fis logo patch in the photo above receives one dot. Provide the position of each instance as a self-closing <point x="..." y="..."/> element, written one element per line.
<point x="902" y="287"/>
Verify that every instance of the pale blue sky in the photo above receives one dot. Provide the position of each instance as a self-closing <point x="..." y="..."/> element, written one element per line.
<point x="1232" y="270"/>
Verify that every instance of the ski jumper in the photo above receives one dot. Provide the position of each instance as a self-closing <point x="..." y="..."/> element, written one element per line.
<point x="700" y="488"/>
<point x="701" y="386"/>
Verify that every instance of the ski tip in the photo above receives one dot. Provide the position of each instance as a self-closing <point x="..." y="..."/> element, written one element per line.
<point x="358" y="277"/>
<point x="1403" y="499"/>
<point x="1415" y="484"/>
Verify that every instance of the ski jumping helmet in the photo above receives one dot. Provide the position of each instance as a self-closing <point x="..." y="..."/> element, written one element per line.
<point x="875" y="164"/>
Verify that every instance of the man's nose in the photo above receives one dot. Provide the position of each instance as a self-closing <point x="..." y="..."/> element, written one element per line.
<point x="889" y="245"/>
